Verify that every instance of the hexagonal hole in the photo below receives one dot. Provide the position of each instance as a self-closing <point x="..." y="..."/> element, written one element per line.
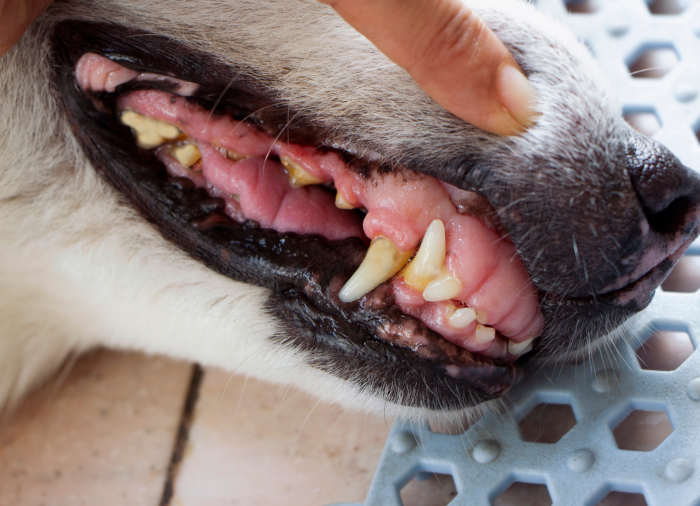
<point x="642" y="430"/>
<point x="535" y="494"/>
<point x="665" y="350"/>
<point x="547" y="423"/>
<point x="643" y="120"/>
<point x="428" y="489"/>
<point x="652" y="62"/>
<point x="685" y="276"/>
<point x="581" y="6"/>
<point x="615" y="498"/>
<point x="666" y="7"/>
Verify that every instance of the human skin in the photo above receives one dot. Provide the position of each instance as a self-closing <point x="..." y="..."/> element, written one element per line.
<point x="452" y="56"/>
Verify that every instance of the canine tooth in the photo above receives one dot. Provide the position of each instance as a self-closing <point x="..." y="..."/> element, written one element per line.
<point x="427" y="263"/>
<point x="520" y="348"/>
<point x="382" y="260"/>
<point x="482" y="316"/>
<point x="187" y="154"/>
<point x="298" y="175"/>
<point x="341" y="203"/>
<point x="444" y="287"/>
<point x="462" y="317"/>
<point x="484" y="334"/>
<point x="150" y="132"/>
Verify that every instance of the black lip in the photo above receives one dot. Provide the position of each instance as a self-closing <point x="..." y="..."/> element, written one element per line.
<point x="342" y="337"/>
<point x="639" y="293"/>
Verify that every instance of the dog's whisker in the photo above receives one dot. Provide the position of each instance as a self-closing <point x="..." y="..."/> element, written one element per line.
<point x="222" y="94"/>
<point x="665" y="68"/>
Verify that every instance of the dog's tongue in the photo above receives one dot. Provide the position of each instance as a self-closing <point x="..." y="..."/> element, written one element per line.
<point x="478" y="283"/>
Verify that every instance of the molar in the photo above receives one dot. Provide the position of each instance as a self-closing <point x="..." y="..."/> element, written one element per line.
<point x="150" y="133"/>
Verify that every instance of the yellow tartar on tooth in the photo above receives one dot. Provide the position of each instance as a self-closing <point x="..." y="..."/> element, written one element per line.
<point x="150" y="133"/>
<point x="298" y="175"/>
<point x="187" y="154"/>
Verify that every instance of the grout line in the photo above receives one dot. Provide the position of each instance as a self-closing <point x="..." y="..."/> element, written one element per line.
<point x="182" y="434"/>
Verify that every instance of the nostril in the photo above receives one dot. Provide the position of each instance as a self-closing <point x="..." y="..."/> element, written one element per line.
<point x="672" y="218"/>
<point x="668" y="192"/>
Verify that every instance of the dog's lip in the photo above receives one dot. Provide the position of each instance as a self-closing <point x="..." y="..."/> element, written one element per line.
<point x="640" y="291"/>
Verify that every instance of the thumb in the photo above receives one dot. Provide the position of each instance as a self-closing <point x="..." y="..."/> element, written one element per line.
<point x="15" y="17"/>
<point x="452" y="56"/>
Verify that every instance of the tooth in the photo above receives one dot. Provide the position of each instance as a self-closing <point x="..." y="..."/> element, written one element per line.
<point x="232" y="155"/>
<point x="428" y="262"/>
<point x="187" y="154"/>
<point x="382" y="260"/>
<point x="482" y="316"/>
<point x="484" y="334"/>
<point x="520" y="348"/>
<point x="462" y="317"/>
<point x="150" y="132"/>
<point x="444" y="287"/>
<point x="298" y="175"/>
<point x="341" y="203"/>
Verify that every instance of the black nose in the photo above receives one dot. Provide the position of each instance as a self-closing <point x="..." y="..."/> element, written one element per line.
<point x="668" y="191"/>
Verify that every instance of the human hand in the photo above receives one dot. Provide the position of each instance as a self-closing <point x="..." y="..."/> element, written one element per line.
<point x="452" y="56"/>
<point x="15" y="17"/>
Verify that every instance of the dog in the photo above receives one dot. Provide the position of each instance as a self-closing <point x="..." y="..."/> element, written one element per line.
<point x="104" y="246"/>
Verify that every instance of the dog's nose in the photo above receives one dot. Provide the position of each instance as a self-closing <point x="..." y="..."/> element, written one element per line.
<point x="668" y="191"/>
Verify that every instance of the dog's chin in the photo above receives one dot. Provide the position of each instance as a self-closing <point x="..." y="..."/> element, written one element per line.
<point x="371" y="343"/>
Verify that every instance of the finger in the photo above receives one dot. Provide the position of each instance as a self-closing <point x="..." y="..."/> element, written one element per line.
<point x="15" y="17"/>
<point x="452" y="56"/>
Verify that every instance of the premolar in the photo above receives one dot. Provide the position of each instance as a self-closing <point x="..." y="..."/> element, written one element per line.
<point x="187" y="154"/>
<point x="342" y="203"/>
<point x="462" y="317"/>
<point x="520" y="348"/>
<point x="298" y="175"/>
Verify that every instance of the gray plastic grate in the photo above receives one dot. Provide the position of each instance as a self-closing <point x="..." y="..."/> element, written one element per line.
<point x="589" y="460"/>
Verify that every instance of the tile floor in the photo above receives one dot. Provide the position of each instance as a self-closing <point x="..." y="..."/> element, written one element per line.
<point x="107" y="434"/>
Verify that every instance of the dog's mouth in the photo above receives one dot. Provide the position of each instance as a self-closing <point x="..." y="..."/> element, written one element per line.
<point x="387" y="267"/>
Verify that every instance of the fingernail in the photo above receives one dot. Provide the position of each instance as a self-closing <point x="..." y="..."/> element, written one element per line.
<point x="516" y="94"/>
